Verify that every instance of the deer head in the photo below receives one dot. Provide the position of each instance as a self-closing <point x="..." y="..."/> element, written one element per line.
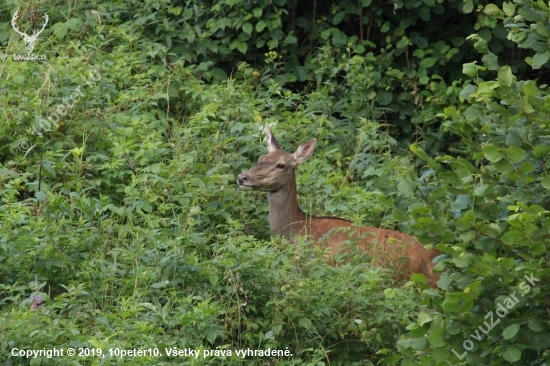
<point x="276" y="169"/>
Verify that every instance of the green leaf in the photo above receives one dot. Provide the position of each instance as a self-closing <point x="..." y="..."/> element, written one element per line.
<point x="511" y="354"/>
<point x="260" y="26"/>
<point x="248" y="28"/>
<point x="161" y="284"/>
<point x="18" y="79"/>
<point x="213" y="278"/>
<point x="338" y="17"/>
<point x="492" y="153"/>
<point x="421" y="42"/>
<point x="481" y="45"/>
<point x="305" y="323"/>
<point x="470" y="69"/>
<point x="490" y="61"/>
<point x="272" y="43"/>
<point x="513" y="237"/>
<point x="504" y="167"/>
<point x="427" y="62"/>
<point x="366" y="3"/>
<point x="73" y="23"/>
<point x="61" y="31"/>
<point x="419" y="278"/>
<point x="505" y="76"/>
<point x="509" y="8"/>
<point x="436" y="337"/>
<point x="384" y="97"/>
<point x="493" y="10"/>
<point x="339" y="39"/>
<point x="257" y="12"/>
<point x="40" y="196"/>
<point x="390" y="293"/>
<point x="510" y="331"/>
<point x="540" y="150"/>
<point x="534" y="325"/>
<point x="403" y="42"/>
<point x="515" y="154"/>
<point x="540" y="59"/>
<point x="242" y="47"/>
<point x="468" y="90"/>
<point x="545" y="182"/>
<point x="290" y="40"/>
<point x="467" y="6"/>
<point x="461" y="203"/>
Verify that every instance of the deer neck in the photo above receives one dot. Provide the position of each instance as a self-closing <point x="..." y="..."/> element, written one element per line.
<point x="285" y="216"/>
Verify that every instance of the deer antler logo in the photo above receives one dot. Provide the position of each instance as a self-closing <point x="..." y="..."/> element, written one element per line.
<point x="29" y="40"/>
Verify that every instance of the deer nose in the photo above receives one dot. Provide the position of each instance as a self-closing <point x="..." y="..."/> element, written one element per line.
<point x="242" y="179"/>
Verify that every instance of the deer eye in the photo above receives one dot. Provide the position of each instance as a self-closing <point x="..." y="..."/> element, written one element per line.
<point x="280" y="165"/>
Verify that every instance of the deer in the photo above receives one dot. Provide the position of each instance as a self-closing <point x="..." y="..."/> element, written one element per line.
<point x="275" y="174"/>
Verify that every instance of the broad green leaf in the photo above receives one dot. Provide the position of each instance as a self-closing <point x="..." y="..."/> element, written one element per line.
<point x="461" y="203"/>
<point x="257" y="12"/>
<point x="61" y="31"/>
<point x="427" y="62"/>
<point x="540" y="150"/>
<point x="436" y="337"/>
<point x="260" y="26"/>
<point x="468" y="90"/>
<point x="305" y="323"/>
<point x="534" y="325"/>
<point x="40" y="196"/>
<point x="403" y="42"/>
<point x="424" y="318"/>
<point x="492" y="153"/>
<point x="421" y="42"/>
<point x="384" y="97"/>
<point x="73" y="23"/>
<point x="161" y="284"/>
<point x="242" y="47"/>
<point x="545" y="182"/>
<point x="338" y="17"/>
<point x="419" y="278"/>
<point x="247" y="28"/>
<point x="470" y="69"/>
<point x="481" y="45"/>
<point x="490" y="61"/>
<point x="339" y="39"/>
<point x="290" y="40"/>
<point x="467" y="6"/>
<point x="511" y="354"/>
<point x="510" y="331"/>
<point x="540" y="59"/>
<point x="513" y="237"/>
<point x="509" y="8"/>
<point x="493" y="10"/>
<point x="515" y="154"/>
<point x="18" y="79"/>
<point x="390" y="293"/>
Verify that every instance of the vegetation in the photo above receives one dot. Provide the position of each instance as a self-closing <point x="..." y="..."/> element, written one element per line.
<point x="121" y="227"/>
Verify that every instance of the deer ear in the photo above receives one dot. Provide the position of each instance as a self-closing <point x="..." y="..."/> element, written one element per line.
<point x="271" y="141"/>
<point x="304" y="151"/>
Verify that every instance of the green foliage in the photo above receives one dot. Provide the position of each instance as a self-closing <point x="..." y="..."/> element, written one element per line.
<point x="497" y="195"/>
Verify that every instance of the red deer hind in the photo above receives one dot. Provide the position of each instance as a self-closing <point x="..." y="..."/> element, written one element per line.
<point x="275" y="173"/>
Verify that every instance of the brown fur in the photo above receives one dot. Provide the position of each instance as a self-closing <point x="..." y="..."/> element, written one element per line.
<point x="275" y="173"/>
